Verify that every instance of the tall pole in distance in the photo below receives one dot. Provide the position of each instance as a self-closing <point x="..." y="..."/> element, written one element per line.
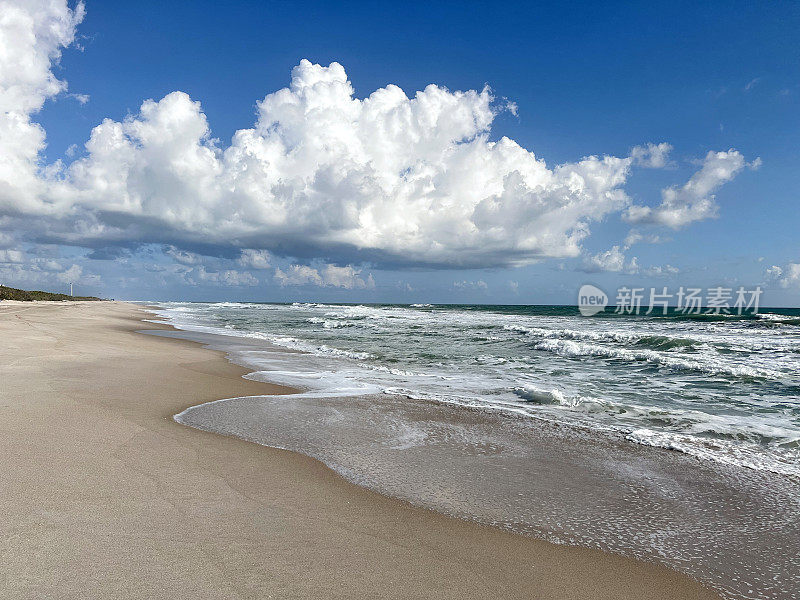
<point x="70" y="289"/>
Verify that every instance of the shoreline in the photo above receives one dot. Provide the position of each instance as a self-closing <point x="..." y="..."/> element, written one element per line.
<point x="107" y="497"/>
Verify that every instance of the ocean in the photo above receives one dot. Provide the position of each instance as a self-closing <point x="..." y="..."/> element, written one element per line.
<point x="543" y="421"/>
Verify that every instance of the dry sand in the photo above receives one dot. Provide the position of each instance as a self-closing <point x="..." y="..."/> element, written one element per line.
<point x="103" y="495"/>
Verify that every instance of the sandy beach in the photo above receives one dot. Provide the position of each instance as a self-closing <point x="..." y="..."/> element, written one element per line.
<point x="105" y="496"/>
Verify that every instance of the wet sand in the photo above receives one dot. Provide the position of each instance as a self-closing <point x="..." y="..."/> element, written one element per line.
<point x="105" y="496"/>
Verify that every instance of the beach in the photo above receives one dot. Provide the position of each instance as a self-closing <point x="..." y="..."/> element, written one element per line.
<point x="104" y="495"/>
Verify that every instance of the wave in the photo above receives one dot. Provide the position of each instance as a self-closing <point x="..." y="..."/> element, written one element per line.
<point x="570" y="348"/>
<point x="663" y="342"/>
<point x="332" y="323"/>
<point x="657" y="342"/>
<point x="777" y="319"/>
<point x="731" y="440"/>
<point x="728" y="439"/>
<point x="544" y="397"/>
<point x="721" y="451"/>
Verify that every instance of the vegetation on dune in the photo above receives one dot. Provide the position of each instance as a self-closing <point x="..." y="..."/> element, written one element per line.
<point x="7" y="293"/>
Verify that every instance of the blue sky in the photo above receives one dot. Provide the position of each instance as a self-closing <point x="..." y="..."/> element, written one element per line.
<point x="584" y="80"/>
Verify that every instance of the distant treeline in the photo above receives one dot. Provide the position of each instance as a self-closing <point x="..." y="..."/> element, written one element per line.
<point x="7" y="293"/>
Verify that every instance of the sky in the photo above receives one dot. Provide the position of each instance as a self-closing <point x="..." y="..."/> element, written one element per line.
<point x="375" y="152"/>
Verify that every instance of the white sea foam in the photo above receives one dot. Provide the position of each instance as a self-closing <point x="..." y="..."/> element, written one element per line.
<point x="572" y="348"/>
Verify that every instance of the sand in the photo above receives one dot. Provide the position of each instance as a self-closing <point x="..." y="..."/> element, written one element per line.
<point x="103" y="495"/>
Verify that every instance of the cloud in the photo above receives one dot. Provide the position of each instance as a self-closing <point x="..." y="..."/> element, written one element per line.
<point x="657" y="270"/>
<point x="182" y="256"/>
<point x="109" y="253"/>
<point x="328" y="276"/>
<point x="635" y="236"/>
<point x="33" y="34"/>
<point x="480" y="284"/>
<point x="751" y="84"/>
<point x="298" y="275"/>
<point x="611" y="260"/>
<point x="81" y="98"/>
<point x="652" y="156"/>
<point x="227" y="277"/>
<point x="19" y="270"/>
<point x="11" y="256"/>
<point x="415" y="180"/>
<point x="774" y="272"/>
<point x="71" y="275"/>
<point x="389" y="179"/>
<point x="786" y="276"/>
<point x="346" y="277"/>
<point x="694" y="200"/>
<point x="48" y="264"/>
<point x="254" y="259"/>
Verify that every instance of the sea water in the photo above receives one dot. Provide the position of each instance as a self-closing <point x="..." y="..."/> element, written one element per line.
<point x="673" y="439"/>
<point x="716" y="386"/>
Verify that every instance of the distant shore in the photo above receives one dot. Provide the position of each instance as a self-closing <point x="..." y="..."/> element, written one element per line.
<point x="105" y="496"/>
<point x="8" y="294"/>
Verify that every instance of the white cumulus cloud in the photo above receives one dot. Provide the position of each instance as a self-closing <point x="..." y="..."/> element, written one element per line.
<point x="694" y="200"/>
<point x="652" y="156"/>
<point x="611" y="260"/>
<point x="412" y="179"/>
<point x="32" y="34"/>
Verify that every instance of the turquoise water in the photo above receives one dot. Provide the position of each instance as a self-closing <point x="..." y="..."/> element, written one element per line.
<point x="721" y="388"/>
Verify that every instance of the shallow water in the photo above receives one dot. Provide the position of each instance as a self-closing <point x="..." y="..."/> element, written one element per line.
<point x="735" y="529"/>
